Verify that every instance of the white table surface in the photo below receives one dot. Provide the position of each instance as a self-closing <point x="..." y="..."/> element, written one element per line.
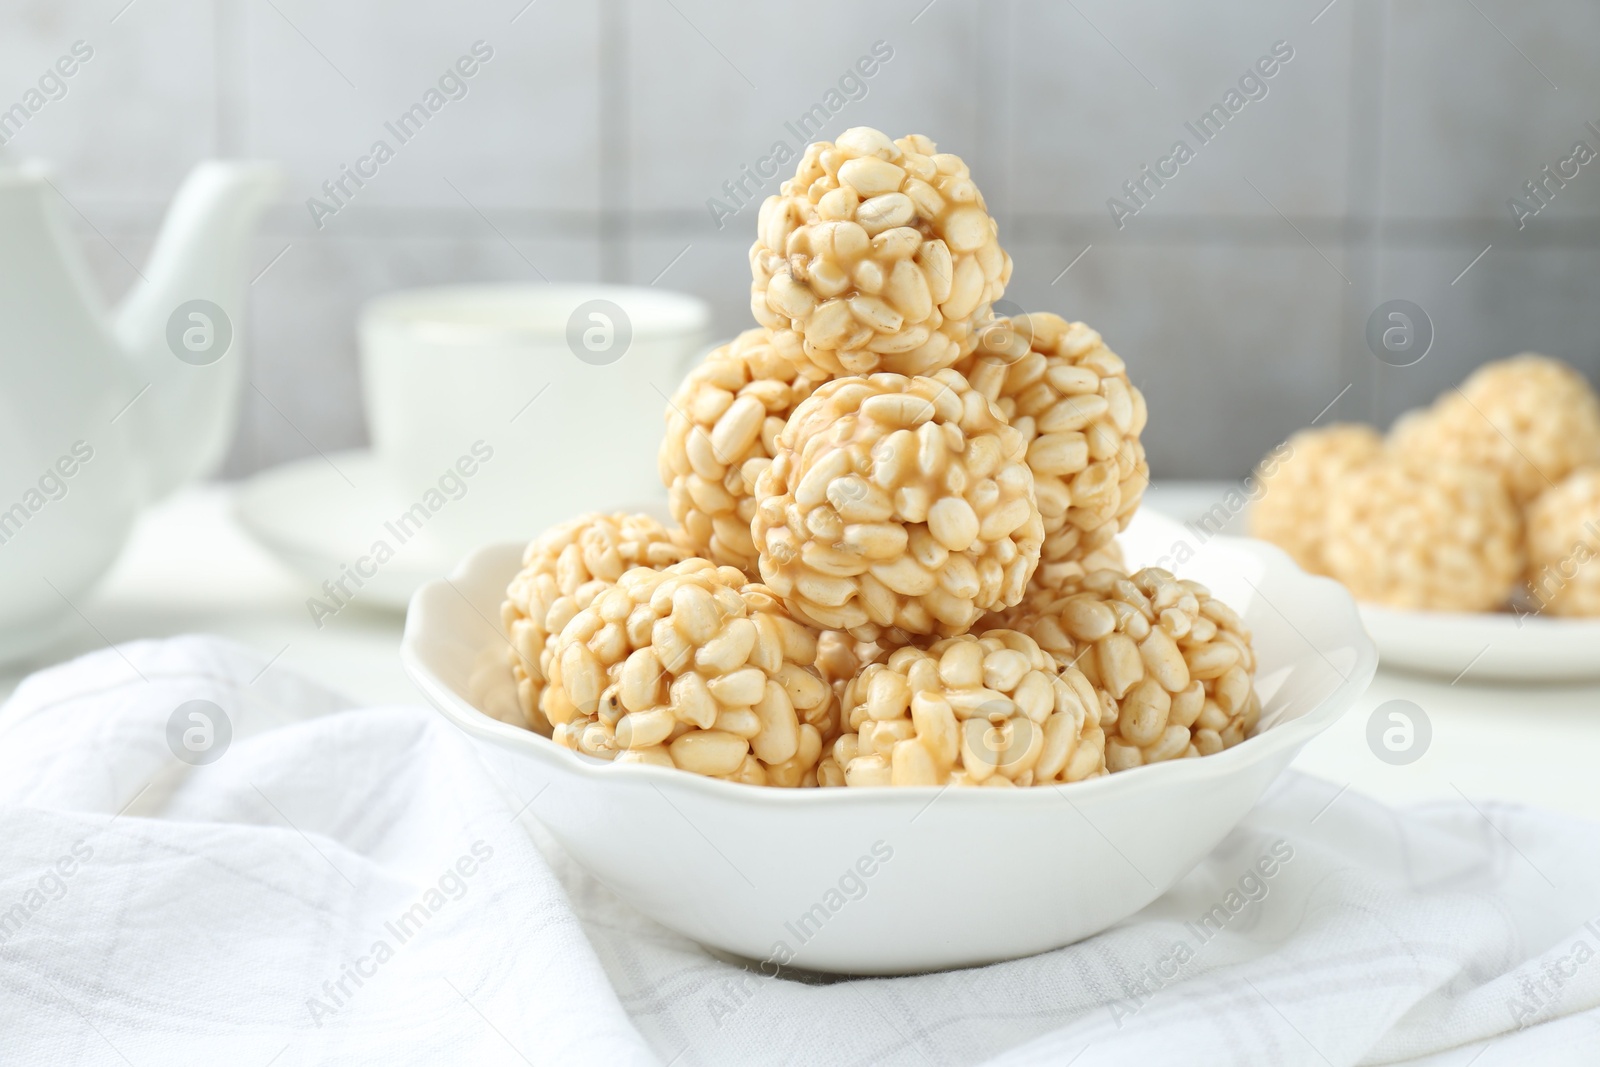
<point x="189" y="567"/>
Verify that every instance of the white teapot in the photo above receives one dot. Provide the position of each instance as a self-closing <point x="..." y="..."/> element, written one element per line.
<point x="101" y="413"/>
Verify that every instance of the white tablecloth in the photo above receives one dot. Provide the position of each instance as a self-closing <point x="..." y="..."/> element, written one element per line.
<point x="348" y="885"/>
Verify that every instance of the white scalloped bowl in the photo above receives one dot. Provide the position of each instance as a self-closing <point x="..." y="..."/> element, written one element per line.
<point x="898" y="880"/>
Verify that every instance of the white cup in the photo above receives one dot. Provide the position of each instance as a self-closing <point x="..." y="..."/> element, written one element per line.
<point x="504" y="409"/>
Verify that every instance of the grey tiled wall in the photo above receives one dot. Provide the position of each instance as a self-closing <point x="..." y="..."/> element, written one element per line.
<point x="1377" y="165"/>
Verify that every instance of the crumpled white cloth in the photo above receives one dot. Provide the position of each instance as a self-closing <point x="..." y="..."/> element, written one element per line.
<point x="154" y="912"/>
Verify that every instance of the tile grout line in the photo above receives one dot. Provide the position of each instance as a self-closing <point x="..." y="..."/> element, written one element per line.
<point x="1368" y="52"/>
<point x="231" y="84"/>
<point x="229" y="81"/>
<point x="1466" y="234"/>
<point x="616" y="170"/>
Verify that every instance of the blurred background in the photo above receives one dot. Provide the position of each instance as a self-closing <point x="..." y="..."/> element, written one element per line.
<point x="1379" y="164"/>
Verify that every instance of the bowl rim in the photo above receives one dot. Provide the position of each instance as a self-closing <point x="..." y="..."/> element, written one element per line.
<point x="1262" y="746"/>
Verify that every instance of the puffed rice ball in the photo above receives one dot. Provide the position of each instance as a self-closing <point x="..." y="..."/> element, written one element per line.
<point x="896" y="502"/>
<point x="1443" y="537"/>
<point x="722" y="426"/>
<point x="1171" y="664"/>
<point x="978" y="709"/>
<point x="1563" y="543"/>
<point x="1530" y="418"/>
<point x="1070" y="398"/>
<point x="1295" y="481"/>
<point x="877" y="255"/>
<point x="692" y="666"/>
<point x="562" y="571"/>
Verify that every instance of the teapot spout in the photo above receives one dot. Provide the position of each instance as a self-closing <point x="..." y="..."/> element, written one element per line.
<point x="182" y="327"/>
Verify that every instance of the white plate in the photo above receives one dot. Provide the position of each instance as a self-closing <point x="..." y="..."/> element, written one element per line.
<point x="1486" y="647"/>
<point x="324" y="515"/>
<point x="957" y="876"/>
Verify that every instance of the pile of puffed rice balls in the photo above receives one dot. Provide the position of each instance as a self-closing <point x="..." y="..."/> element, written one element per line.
<point x="893" y="560"/>
<point x="1487" y="500"/>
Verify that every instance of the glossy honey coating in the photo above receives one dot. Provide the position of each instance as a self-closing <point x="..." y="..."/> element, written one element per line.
<point x="982" y="709"/>
<point x="691" y="666"/>
<point x="878" y="255"/>
<point x="1069" y="396"/>
<point x="562" y="571"/>
<point x="897" y="503"/>
<point x="722" y="427"/>
<point x="1171" y="664"/>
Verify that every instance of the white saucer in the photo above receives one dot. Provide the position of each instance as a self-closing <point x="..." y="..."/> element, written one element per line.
<point x="325" y="517"/>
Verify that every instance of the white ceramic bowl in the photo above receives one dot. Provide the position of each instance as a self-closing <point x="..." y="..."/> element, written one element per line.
<point x="891" y="881"/>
